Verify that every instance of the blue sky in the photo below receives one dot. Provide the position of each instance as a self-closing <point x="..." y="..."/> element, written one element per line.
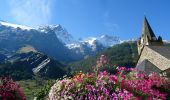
<point x="85" y="18"/>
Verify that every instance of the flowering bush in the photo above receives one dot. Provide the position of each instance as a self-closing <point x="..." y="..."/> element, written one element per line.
<point x="10" y="90"/>
<point x="100" y="63"/>
<point x="104" y="86"/>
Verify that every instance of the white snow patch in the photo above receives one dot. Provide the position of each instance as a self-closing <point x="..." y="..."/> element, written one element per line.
<point x="41" y="65"/>
<point x="72" y="46"/>
<point x="90" y="40"/>
<point x="15" y="25"/>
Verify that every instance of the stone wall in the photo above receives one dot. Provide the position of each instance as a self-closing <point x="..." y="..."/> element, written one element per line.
<point x="155" y="57"/>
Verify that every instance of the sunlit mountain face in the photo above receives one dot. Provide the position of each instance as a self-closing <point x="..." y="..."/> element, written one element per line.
<point x="44" y="51"/>
<point x="53" y="40"/>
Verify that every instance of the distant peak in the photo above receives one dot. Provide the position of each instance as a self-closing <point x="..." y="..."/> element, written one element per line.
<point x="53" y="27"/>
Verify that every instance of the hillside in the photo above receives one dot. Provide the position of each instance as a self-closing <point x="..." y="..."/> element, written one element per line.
<point x="28" y="63"/>
<point x="124" y="54"/>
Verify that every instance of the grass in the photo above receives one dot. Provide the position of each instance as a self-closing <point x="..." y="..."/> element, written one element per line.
<point x="30" y="87"/>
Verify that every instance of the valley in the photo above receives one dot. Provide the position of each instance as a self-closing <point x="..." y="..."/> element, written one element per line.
<point x="33" y="56"/>
<point x="47" y="59"/>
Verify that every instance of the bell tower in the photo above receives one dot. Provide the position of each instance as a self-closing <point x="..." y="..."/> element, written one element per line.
<point x="148" y="37"/>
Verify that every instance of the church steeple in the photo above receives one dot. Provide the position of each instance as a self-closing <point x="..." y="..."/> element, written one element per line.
<point x="148" y="37"/>
<point x="147" y="30"/>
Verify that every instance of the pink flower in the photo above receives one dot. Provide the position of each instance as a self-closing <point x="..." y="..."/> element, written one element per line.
<point x="10" y="90"/>
<point x="113" y="78"/>
<point x="121" y="68"/>
<point x="105" y="73"/>
<point x="105" y="86"/>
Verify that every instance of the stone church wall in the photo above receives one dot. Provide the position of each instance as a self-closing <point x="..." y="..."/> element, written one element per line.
<point x="155" y="58"/>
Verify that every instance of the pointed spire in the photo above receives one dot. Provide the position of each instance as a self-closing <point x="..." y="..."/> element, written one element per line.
<point x="147" y="31"/>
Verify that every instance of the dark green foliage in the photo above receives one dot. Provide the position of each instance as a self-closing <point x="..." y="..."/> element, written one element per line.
<point x="124" y="54"/>
<point x="83" y="65"/>
<point x="15" y="70"/>
<point x="43" y="92"/>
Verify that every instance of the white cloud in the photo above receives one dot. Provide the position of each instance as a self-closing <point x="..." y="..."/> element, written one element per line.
<point x="31" y="12"/>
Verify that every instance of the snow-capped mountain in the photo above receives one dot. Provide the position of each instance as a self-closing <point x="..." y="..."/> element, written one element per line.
<point x="13" y="37"/>
<point x="54" y="40"/>
<point x="14" y="25"/>
<point x="109" y="41"/>
<point x="93" y="45"/>
<point x="60" y="32"/>
<point x="105" y="40"/>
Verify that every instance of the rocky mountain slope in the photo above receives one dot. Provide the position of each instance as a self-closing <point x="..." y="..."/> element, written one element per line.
<point x="53" y="40"/>
<point x="28" y="63"/>
<point x="14" y="37"/>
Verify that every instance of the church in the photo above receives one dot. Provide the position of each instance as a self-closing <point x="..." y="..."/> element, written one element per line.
<point x="154" y="54"/>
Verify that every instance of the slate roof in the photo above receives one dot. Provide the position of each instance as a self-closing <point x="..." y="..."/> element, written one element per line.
<point x="162" y="50"/>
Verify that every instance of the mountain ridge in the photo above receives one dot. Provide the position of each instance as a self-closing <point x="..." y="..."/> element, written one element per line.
<point x="49" y="39"/>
